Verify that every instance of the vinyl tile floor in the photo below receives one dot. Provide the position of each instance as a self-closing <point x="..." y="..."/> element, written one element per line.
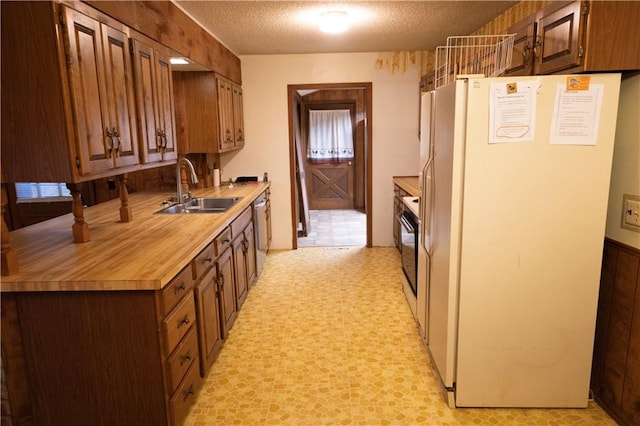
<point x="325" y="337"/>
<point x="331" y="228"/>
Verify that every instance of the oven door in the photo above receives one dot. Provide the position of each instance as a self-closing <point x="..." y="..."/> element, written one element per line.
<point x="408" y="248"/>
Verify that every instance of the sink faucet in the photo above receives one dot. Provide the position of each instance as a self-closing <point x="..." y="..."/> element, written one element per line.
<point x="194" y="178"/>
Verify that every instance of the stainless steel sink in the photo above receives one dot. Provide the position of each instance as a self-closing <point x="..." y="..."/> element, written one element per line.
<point x="202" y="205"/>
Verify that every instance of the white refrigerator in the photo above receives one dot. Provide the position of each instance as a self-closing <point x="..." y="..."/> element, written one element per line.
<point x="514" y="186"/>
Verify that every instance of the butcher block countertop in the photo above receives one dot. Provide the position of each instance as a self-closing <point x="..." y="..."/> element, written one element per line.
<point x="144" y="254"/>
<point x="408" y="183"/>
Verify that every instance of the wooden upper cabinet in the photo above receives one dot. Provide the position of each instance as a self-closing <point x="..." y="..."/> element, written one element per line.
<point x="225" y="114"/>
<point x="154" y="94"/>
<point x="577" y="36"/>
<point x="73" y="109"/>
<point x="238" y="117"/>
<point x="99" y="70"/>
<point x="523" y="47"/>
<point x="559" y="45"/>
<point x="209" y="113"/>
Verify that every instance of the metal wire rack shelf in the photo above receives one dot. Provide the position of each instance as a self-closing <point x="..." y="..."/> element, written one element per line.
<point x="489" y="55"/>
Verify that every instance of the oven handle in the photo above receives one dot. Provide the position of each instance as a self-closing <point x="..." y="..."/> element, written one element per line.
<point x="405" y="223"/>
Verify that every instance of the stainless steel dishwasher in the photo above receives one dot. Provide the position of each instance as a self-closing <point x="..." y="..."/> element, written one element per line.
<point x="260" y="215"/>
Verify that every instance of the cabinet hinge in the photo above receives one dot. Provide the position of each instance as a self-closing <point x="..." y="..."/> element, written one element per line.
<point x="60" y="17"/>
<point x="78" y="162"/>
<point x="585" y="9"/>
<point x="580" y="52"/>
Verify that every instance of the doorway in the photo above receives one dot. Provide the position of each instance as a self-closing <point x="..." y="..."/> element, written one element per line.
<point x="330" y="196"/>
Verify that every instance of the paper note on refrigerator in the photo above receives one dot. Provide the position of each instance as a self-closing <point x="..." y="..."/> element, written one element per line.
<point x="512" y="111"/>
<point x="576" y="115"/>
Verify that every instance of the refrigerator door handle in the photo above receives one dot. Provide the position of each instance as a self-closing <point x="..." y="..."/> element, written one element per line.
<point x="427" y="206"/>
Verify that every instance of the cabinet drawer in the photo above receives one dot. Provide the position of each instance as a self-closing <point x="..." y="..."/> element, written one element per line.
<point x="222" y="241"/>
<point x="186" y="394"/>
<point x="203" y="262"/>
<point x="241" y="222"/>
<point x="176" y="290"/>
<point x="184" y="355"/>
<point x="178" y="322"/>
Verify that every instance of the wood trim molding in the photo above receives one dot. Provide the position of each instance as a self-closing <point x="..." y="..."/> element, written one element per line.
<point x="167" y="24"/>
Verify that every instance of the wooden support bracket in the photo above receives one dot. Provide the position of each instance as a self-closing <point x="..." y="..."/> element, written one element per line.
<point x="125" y="209"/>
<point x="80" y="228"/>
<point x="9" y="257"/>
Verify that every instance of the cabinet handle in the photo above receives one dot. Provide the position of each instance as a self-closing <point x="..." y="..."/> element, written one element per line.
<point x="184" y="321"/>
<point x="226" y="241"/>
<point x="220" y="282"/>
<point x="116" y="138"/>
<point x="188" y="393"/>
<point x="526" y="54"/>
<point x="184" y="358"/>
<point x="209" y="259"/>
<point x="110" y="147"/>
<point x="181" y="287"/>
<point x="535" y="48"/>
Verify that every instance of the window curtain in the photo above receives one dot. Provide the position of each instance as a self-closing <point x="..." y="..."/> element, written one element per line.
<point x="330" y="136"/>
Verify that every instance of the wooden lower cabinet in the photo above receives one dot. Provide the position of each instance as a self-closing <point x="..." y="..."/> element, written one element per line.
<point x="615" y="374"/>
<point x="112" y="357"/>
<point x="226" y="287"/>
<point x="210" y="330"/>
<point x="240" y="269"/>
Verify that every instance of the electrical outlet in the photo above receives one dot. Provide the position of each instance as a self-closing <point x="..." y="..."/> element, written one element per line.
<point x="631" y="212"/>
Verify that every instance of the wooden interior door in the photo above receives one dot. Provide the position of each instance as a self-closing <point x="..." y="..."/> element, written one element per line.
<point x="330" y="186"/>
<point x="300" y="163"/>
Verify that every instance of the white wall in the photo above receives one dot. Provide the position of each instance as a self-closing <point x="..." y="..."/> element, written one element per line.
<point x="395" y="145"/>
<point x="625" y="177"/>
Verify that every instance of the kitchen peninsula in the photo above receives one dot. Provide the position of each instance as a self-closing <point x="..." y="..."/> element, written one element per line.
<point x="120" y="329"/>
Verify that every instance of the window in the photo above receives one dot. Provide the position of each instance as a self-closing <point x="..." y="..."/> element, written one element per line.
<point x="38" y="192"/>
<point x="330" y="136"/>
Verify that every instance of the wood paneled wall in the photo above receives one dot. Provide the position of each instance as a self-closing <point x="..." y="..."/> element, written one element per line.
<point x="615" y="374"/>
<point x="513" y="15"/>
<point x="164" y="22"/>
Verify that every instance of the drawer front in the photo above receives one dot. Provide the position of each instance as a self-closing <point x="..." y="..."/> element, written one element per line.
<point x="178" y="322"/>
<point x="241" y="222"/>
<point x="222" y="241"/>
<point x="184" y="355"/>
<point x="203" y="262"/>
<point x="185" y="395"/>
<point x="176" y="290"/>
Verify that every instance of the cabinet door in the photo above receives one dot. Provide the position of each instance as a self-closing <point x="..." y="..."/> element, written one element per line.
<point x="250" y="253"/>
<point x="268" y="215"/>
<point x="120" y="96"/>
<point x="155" y="103"/>
<point x="166" y="117"/>
<point x="558" y="42"/>
<point x="88" y="92"/>
<point x="225" y="114"/>
<point x="240" y="269"/>
<point x="226" y="288"/>
<point x="210" y="332"/>
<point x="523" y="58"/>
<point x="238" y="117"/>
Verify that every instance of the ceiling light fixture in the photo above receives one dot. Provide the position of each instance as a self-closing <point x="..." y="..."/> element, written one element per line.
<point x="334" y="22"/>
<point x="178" y="61"/>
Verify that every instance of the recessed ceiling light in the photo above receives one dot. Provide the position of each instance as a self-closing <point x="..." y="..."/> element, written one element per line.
<point x="178" y="61"/>
<point x="334" y="22"/>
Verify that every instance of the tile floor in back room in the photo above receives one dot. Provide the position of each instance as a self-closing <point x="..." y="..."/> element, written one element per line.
<point x="325" y="337"/>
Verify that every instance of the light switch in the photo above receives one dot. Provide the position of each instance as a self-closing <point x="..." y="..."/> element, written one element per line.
<point x="631" y="212"/>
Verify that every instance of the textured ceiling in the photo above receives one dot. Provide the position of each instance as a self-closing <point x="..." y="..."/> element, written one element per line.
<point x="279" y="27"/>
